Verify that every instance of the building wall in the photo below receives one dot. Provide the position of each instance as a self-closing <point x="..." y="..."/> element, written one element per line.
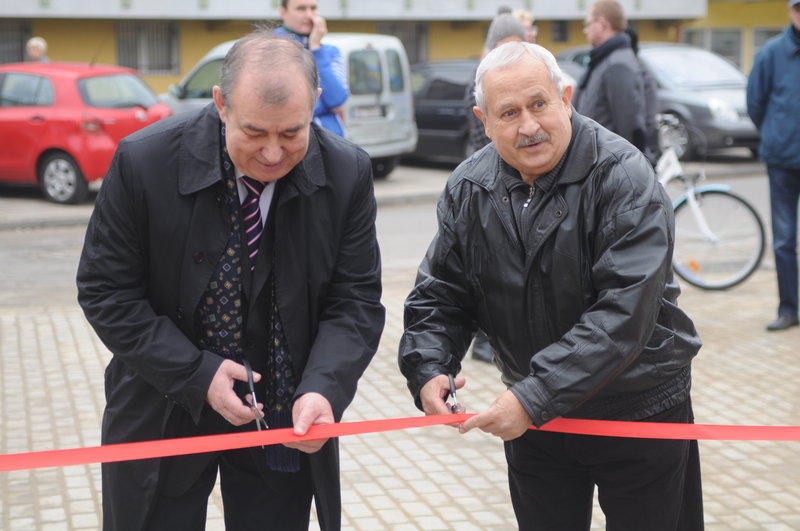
<point x="747" y="16"/>
<point x="94" y="39"/>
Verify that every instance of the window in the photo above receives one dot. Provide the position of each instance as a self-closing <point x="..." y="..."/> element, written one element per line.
<point x="17" y="90"/>
<point x="762" y="35"/>
<point x="560" y="32"/>
<point x="444" y="89"/>
<point x="413" y="35"/>
<point x="725" y="42"/>
<point x="202" y="82"/>
<point x="116" y="91"/>
<point x="365" y="72"/>
<point x="149" y="47"/>
<point x="396" y="83"/>
<point x="13" y="36"/>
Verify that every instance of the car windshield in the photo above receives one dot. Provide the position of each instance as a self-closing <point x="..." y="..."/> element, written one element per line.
<point x="446" y="82"/>
<point x="116" y="91"/>
<point x="692" y="67"/>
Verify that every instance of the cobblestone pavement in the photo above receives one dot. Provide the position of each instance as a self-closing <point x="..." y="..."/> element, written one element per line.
<point x="51" y="368"/>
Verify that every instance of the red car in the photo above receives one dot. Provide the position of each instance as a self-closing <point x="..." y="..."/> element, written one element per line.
<point x="60" y="123"/>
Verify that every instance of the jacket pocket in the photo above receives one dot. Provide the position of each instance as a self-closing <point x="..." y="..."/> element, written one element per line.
<point x="660" y="353"/>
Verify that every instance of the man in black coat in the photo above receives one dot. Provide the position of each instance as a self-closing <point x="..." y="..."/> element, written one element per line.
<point x="556" y="240"/>
<point x="171" y="285"/>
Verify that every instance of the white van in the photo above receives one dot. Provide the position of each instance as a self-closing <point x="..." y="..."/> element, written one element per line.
<point x="379" y="114"/>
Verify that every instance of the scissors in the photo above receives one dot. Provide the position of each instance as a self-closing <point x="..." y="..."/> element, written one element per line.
<point x="260" y="420"/>
<point x="455" y="407"/>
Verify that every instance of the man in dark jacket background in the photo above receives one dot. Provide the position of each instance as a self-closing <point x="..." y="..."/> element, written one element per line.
<point x="556" y="240"/>
<point x="612" y="90"/>
<point x="773" y="102"/>
<point x="180" y="287"/>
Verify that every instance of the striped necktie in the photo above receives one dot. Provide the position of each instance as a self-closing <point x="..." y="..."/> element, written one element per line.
<point x="251" y="217"/>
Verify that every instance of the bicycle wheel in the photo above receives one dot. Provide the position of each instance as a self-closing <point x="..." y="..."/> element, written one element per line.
<point x="725" y="254"/>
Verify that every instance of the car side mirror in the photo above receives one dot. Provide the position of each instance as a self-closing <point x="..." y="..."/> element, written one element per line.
<point x="177" y="91"/>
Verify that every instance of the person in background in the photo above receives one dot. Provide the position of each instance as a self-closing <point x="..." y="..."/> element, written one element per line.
<point x="36" y="50"/>
<point x="504" y="28"/>
<point x="556" y="240"/>
<point x="302" y="22"/>
<point x="611" y="90"/>
<point x="651" y="102"/>
<point x="527" y="19"/>
<point x="242" y="233"/>
<point x="773" y="102"/>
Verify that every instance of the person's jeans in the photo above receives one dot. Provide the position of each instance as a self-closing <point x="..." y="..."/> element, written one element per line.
<point x="784" y="193"/>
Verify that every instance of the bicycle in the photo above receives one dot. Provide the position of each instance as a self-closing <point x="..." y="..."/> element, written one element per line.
<point x="719" y="236"/>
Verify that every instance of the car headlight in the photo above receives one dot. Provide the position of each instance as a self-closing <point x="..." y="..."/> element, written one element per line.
<point x="722" y="110"/>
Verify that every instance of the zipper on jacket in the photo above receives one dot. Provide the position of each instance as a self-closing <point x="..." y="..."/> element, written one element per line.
<point x="530" y="197"/>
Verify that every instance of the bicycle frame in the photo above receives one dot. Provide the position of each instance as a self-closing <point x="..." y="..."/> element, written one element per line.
<point x="668" y="169"/>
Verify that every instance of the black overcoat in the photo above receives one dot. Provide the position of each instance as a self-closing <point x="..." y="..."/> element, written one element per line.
<point x="159" y="226"/>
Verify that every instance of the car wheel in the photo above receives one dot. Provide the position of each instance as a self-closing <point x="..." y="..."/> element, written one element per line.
<point x="383" y="166"/>
<point x="675" y="133"/>
<point x="61" y="179"/>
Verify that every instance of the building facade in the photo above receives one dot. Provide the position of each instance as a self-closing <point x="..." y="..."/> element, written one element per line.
<point x="163" y="39"/>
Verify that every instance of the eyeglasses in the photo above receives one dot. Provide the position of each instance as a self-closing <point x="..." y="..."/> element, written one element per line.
<point x="253" y="402"/>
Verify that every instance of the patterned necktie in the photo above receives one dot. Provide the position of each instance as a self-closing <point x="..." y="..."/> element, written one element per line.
<point x="251" y="218"/>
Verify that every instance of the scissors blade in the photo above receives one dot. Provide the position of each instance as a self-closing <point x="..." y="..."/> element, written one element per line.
<point x="260" y="419"/>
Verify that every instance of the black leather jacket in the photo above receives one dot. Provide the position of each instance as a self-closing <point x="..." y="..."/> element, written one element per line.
<point x="583" y="317"/>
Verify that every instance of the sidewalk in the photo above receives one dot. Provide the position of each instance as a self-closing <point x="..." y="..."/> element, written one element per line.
<point x="25" y="208"/>
<point x="52" y="364"/>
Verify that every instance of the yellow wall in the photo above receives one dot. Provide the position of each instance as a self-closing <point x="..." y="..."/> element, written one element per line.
<point x="94" y="40"/>
<point x="456" y="40"/>
<point x="746" y="15"/>
<point x="78" y="40"/>
<point x="352" y="26"/>
<point x="196" y="39"/>
<point x="87" y="40"/>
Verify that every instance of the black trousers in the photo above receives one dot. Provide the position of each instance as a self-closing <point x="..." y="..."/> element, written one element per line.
<point x="642" y="484"/>
<point x="254" y="497"/>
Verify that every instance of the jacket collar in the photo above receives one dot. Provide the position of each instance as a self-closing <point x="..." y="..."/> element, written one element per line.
<point x="200" y="157"/>
<point x="200" y="154"/>
<point x="792" y="40"/>
<point x="486" y="165"/>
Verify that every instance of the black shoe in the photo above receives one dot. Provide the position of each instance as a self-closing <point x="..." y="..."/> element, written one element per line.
<point x="482" y="355"/>
<point x="783" y="322"/>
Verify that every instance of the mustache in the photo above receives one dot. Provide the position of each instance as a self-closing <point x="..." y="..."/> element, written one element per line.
<point x="535" y="139"/>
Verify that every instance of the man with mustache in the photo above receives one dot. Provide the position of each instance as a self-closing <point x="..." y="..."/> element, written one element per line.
<point x="556" y="240"/>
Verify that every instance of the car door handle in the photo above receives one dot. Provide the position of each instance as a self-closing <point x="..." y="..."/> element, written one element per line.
<point x="35" y="119"/>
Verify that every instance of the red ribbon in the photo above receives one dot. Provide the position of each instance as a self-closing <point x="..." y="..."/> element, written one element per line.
<point x="212" y="443"/>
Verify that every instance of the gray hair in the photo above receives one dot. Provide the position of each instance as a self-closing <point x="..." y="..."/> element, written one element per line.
<point x="271" y="56"/>
<point x="508" y="54"/>
<point x="37" y="42"/>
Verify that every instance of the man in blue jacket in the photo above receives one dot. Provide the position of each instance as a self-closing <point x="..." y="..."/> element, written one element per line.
<point x="773" y="102"/>
<point x="302" y="22"/>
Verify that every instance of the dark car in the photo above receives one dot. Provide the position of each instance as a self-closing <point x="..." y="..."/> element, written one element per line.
<point x="440" y="108"/>
<point x="440" y="89"/>
<point x="702" y="91"/>
<point x="61" y="122"/>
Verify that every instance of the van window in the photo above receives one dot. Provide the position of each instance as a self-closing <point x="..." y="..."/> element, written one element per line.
<point x="365" y="72"/>
<point x="396" y="83"/>
<point x="202" y="82"/>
